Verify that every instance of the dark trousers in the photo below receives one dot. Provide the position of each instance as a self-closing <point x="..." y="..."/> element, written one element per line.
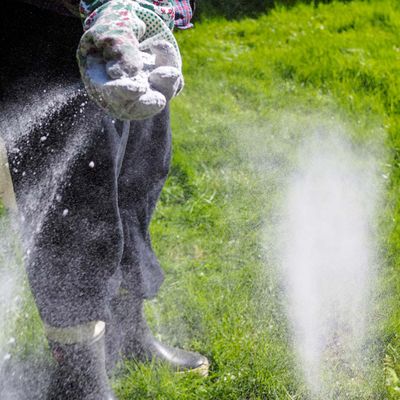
<point x="85" y="227"/>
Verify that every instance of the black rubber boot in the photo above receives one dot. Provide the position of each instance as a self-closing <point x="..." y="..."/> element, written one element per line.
<point x="135" y="340"/>
<point x="80" y="372"/>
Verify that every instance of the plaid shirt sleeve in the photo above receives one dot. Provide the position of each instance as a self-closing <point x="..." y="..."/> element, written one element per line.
<point x="183" y="14"/>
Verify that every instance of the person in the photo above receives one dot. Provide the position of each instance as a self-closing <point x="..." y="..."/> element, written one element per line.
<point x="87" y="173"/>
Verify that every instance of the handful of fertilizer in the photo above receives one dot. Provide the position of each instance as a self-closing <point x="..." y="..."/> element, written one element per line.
<point x="138" y="95"/>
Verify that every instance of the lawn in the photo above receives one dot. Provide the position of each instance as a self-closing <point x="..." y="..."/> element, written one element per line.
<point x="251" y="88"/>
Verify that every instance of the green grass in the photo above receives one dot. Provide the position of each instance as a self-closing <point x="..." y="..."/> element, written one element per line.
<point x="243" y="80"/>
<point x="249" y="86"/>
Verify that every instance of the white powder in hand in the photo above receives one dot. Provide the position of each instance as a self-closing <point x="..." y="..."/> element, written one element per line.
<point x="133" y="97"/>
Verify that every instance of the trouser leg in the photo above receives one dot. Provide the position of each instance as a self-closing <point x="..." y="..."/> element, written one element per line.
<point x="143" y="174"/>
<point x="68" y="210"/>
<point x="78" y="216"/>
<point x="71" y="212"/>
<point x="66" y="191"/>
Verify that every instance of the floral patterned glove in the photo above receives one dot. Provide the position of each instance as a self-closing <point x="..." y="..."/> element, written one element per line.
<point x="129" y="60"/>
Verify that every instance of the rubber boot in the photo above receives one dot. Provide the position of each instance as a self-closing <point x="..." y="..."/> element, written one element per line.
<point x="137" y="342"/>
<point x="80" y="373"/>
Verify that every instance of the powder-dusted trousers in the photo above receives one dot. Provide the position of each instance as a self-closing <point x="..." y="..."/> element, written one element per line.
<point x="85" y="227"/>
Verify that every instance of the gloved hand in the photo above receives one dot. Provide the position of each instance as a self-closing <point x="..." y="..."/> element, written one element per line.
<point x="129" y="60"/>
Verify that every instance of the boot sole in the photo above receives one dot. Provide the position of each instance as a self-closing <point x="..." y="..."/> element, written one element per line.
<point x="201" y="371"/>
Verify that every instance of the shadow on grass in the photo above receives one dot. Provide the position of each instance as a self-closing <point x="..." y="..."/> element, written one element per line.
<point x="237" y="9"/>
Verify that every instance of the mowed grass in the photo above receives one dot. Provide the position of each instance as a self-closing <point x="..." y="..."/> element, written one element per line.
<point x="221" y="296"/>
<point x="250" y="87"/>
